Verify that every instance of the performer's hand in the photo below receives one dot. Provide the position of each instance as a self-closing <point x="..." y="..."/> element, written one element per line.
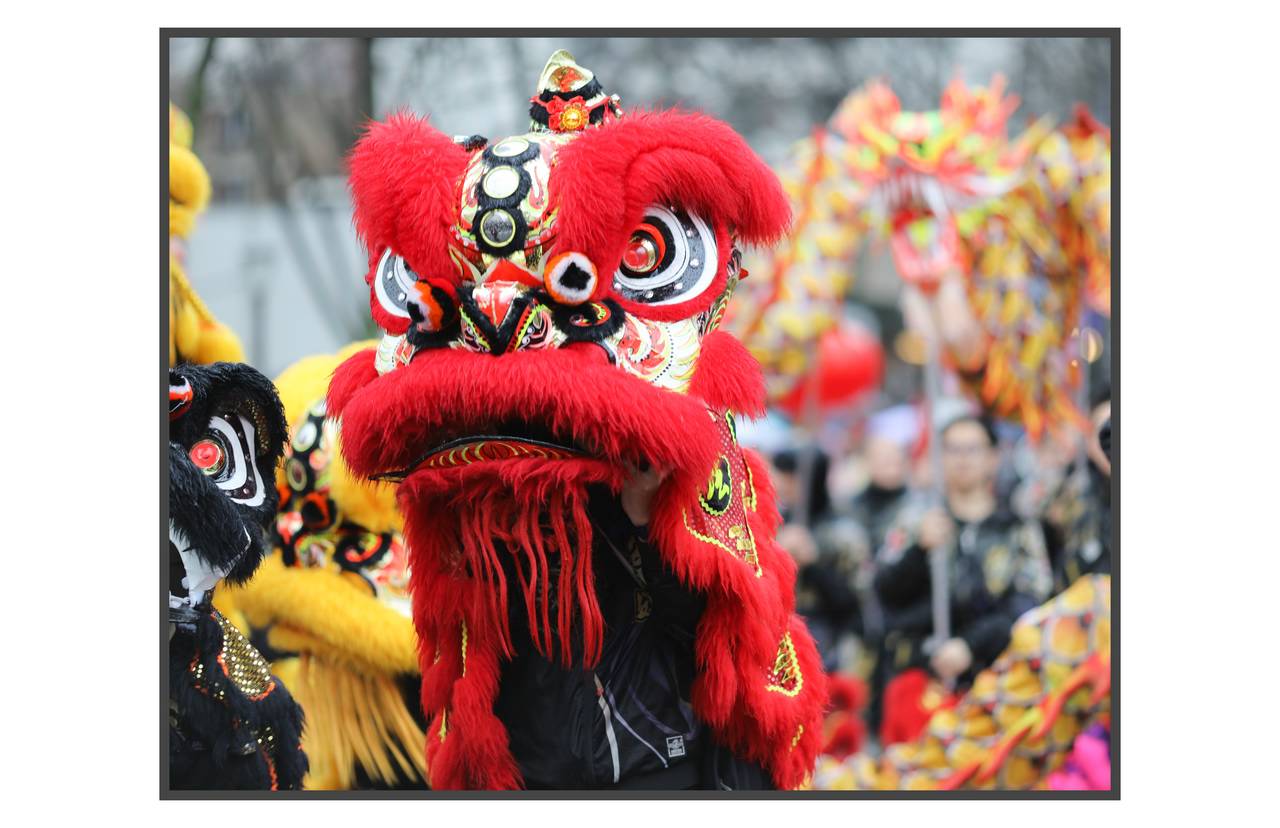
<point x="936" y="529"/>
<point x="637" y="493"/>
<point x="951" y="659"/>
<point x="961" y="332"/>
<point x="799" y="541"/>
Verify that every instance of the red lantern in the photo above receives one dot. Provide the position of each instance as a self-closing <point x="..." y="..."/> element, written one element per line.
<point x="850" y="363"/>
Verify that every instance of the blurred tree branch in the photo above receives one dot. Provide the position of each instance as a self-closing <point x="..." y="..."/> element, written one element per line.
<point x="195" y="105"/>
<point x="270" y="161"/>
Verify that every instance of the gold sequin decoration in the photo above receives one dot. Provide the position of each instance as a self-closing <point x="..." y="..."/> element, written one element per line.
<point x="243" y="664"/>
<point x="726" y="503"/>
<point x="785" y="677"/>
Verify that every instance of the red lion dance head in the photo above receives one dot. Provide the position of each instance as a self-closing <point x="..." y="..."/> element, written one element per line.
<point x="550" y="304"/>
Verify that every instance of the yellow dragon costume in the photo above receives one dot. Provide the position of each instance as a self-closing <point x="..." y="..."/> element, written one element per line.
<point x="331" y="605"/>
<point x="1025" y="218"/>
<point x="195" y="336"/>
<point x="1019" y="722"/>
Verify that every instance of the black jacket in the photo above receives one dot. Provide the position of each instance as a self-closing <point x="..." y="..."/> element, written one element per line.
<point x="1078" y="527"/>
<point x="998" y="570"/>
<point x="628" y="722"/>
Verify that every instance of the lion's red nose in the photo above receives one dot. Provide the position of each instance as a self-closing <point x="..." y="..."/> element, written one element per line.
<point x="495" y="300"/>
<point x="505" y="270"/>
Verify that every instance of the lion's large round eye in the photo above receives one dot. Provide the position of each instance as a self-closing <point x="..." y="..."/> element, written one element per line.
<point x="209" y="456"/>
<point x="227" y="453"/>
<point x="670" y="257"/>
<point x="645" y="251"/>
<point x="396" y="286"/>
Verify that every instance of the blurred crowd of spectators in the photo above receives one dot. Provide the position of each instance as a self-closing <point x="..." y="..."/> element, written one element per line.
<point x="1012" y="523"/>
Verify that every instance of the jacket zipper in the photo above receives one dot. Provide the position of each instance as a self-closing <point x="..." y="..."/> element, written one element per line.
<point x="608" y="727"/>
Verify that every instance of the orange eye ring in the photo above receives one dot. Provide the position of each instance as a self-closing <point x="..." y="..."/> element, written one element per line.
<point x="315" y="511"/>
<point x="434" y="313"/>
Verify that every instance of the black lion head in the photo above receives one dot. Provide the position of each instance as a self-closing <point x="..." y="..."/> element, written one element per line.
<point x="226" y="435"/>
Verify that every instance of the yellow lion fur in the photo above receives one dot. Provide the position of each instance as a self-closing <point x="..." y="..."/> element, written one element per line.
<point x="194" y="332"/>
<point x="338" y="735"/>
<point x="351" y="646"/>
<point x="329" y="613"/>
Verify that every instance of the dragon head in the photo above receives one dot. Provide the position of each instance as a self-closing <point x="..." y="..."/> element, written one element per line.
<point x="226" y="435"/>
<point x="916" y="171"/>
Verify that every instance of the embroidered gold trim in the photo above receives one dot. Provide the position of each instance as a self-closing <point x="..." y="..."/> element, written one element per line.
<point x="242" y="663"/>
<point x="741" y="534"/>
<point x="785" y="678"/>
<point x="749" y="485"/>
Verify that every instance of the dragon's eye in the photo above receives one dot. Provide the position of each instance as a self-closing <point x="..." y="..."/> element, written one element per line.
<point x="670" y="257"/>
<point x="570" y="278"/>
<point x="316" y="511"/>
<point x="209" y="456"/>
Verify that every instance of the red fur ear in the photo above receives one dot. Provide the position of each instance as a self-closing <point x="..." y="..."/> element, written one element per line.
<point x="404" y="183"/>
<point x="606" y="178"/>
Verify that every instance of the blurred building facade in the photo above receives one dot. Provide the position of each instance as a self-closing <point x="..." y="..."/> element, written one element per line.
<point x="276" y="256"/>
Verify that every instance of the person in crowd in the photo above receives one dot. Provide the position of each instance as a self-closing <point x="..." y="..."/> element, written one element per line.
<point x="1078" y="517"/>
<point x="882" y="503"/>
<point x="997" y="566"/>
<point x="878" y="505"/>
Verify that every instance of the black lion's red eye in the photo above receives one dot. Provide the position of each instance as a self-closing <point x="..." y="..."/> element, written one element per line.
<point x="208" y="456"/>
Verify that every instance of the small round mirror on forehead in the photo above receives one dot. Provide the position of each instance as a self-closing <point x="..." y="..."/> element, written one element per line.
<point x="497" y="227"/>
<point x="501" y="182"/>
<point x="510" y="147"/>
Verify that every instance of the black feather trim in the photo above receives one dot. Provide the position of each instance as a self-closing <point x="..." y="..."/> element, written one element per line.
<point x="214" y="728"/>
<point x="581" y="323"/>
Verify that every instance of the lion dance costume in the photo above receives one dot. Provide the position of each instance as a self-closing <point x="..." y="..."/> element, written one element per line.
<point x="332" y="604"/>
<point x="194" y="334"/>
<point x="1036" y="719"/>
<point x="232" y="725"/>
<point x="550" y="303"/>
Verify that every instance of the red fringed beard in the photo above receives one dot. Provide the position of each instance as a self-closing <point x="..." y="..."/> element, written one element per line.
<point x="462" y="522"/>
<point x="759" y="684"/>
<point x="459" y="523"/>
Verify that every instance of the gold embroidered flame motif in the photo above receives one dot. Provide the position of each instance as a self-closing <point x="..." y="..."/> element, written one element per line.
<point x="785" y="677"/>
